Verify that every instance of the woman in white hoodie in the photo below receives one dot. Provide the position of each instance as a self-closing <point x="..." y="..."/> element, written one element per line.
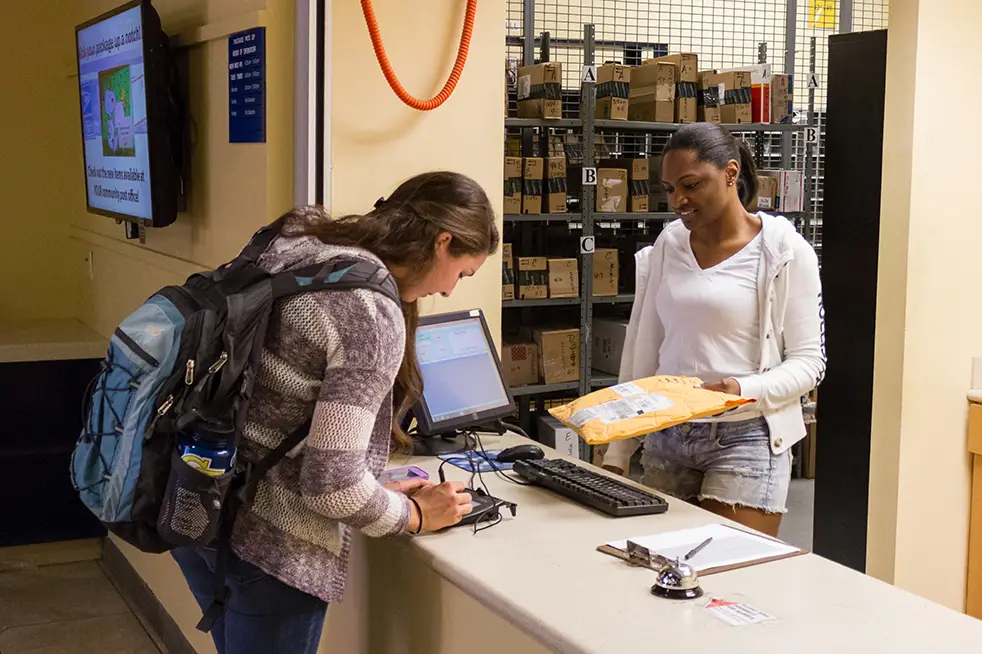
<point x="735" y="299"/>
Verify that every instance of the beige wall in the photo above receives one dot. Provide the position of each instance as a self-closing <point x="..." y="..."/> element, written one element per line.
<point x="235" y="187"/>
<point x="38" y="186"/>
<point x="927" y="313"/>
<point x="377" y="142"/>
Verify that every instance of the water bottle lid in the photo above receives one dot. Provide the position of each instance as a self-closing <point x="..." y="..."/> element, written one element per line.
<point x="215" y="431"/>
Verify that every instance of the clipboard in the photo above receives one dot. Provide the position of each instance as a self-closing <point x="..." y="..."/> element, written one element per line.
<point x="651" y="560"/>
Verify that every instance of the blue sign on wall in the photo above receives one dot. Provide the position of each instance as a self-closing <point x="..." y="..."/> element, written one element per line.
<point x="247" y="86"/>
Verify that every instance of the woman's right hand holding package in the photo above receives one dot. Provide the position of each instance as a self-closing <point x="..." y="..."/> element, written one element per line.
<point x="441" y="506"/>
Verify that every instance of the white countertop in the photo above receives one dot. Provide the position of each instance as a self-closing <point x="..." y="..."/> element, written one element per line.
<point x="49" y="340"/>
<point x="541" y="571"/>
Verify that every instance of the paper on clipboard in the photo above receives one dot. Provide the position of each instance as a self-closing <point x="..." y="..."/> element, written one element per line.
<point x="730" y="547"/>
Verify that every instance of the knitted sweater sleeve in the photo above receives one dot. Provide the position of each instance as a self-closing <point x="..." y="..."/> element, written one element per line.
<point x="364" y="334"/>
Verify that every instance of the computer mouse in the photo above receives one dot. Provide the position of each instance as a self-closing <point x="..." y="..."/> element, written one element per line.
<point x="520" y="453"/>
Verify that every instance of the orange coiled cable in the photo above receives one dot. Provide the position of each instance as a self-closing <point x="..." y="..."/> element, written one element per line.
<point x="390" y="76"/>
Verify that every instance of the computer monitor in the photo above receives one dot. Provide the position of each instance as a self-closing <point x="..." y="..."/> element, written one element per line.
<point x="462" y="382"/>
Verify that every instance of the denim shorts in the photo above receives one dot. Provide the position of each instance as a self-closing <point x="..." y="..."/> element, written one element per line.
<point x="730" y="462"/>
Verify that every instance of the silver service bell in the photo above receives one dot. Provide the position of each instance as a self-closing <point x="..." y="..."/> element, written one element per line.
<point x="674" y="579"/>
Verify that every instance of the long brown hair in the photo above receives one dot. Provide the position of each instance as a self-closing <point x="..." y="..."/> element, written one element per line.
<point x="402" y="231"/>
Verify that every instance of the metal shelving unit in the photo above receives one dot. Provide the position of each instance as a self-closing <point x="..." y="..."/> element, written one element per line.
<point x="622" y="298"/>
<point x="638" y="126"/>
<point x="542" y="302"/>
<point x="539" y="389"/>
<point x="587" y="221"/>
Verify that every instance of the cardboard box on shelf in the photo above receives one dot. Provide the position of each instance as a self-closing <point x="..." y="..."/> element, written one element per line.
<point x="540" y="91"/>
<point x="658" y="199"/>
<point x="559" y="354"/>
<point x="686" y="68"/>
<point x="551" y="433"/>
<point x="532" y="175"/>
<point x="599" y="451"/>
<point x="766" y="199"/>
<point x="513" y="185"/>
<point x="564" y="278"/>
<point x="687" y="102"/>
<point x="554" y="143"/>
<point x="605" y="272"/>
<point x="640" y="186"/>
<point x="608" y="344"/>
<point x="790" y="189"/>
<point x="708" y="102"/>
<point x="513" y="147"/>
<point x="782" y="99"/>
<point x="520" y="363"/>
<point x="555" y="200"/>
<point x="646" y="108"/>
<point x="654" y="77"/>
<point x="653" y="92"/>
<point x="638" y="183"/>
<point x="760" y="91"/>
<point x="612" y="190"/>
<point x="613" y="91"/>
<point x="737" y="97"/>
<point x="686" y="63"/>
<point x="533" y="278"/>
<point x="507" y="273"/>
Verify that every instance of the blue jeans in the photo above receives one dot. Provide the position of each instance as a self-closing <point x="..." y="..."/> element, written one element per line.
<point x="730" y="462"/>
<point x="264" y="615"/>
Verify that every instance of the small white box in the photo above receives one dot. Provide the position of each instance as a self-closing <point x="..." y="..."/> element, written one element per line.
<point x="553" y="434"/>
<point x="608" y="344"/>
<point x="792" y="190"/>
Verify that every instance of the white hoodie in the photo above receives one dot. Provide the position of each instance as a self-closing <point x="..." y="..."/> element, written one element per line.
<point x="792" y="332"/>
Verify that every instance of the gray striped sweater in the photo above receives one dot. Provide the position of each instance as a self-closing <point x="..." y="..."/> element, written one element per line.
<point x="332" y="357"/>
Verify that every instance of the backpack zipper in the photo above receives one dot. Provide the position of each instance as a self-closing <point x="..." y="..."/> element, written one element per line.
<point x="135" y="348"/>
<point x="189" y="372"/>
<point x="215" y="367"/>
<point x="165" y="407"/>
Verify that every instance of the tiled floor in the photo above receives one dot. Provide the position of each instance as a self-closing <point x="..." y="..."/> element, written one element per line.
<point x="64" y="608"/>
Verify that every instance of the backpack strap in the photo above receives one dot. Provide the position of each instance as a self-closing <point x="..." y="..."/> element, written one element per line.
<point x="254" y="249"/>
<point x="337" y="274"/>
<point x="241" y="494"/>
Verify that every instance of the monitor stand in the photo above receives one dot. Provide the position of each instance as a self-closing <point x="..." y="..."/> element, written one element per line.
<point x="446" y="443"/>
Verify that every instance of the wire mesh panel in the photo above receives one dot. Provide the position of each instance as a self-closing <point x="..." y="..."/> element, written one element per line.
<point x="870" y="15"/>
<point x="723" y="33"/>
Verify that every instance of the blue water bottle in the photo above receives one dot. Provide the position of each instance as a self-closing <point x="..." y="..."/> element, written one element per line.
<point x="208" y="447"/>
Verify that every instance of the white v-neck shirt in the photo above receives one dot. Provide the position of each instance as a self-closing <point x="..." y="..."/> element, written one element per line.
<point x="711" y="317"/>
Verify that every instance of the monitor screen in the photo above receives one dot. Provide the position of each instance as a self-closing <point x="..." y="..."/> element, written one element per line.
<point x="462" y="382"/>
<point x="114" y="114"/>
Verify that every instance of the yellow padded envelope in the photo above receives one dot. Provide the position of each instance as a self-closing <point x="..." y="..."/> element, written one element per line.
<point x="635" y="408"/>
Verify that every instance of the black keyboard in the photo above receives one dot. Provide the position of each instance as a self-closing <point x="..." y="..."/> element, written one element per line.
<point x="587" y="487"/>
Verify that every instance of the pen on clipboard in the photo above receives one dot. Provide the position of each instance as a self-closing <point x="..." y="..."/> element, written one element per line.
<point x="698" y="548"/>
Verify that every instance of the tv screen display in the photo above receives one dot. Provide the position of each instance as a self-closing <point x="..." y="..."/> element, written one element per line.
<point x="113" y="94"/>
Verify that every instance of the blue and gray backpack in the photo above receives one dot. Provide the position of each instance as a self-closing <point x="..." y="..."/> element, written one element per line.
<point x="189" y="356"/>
